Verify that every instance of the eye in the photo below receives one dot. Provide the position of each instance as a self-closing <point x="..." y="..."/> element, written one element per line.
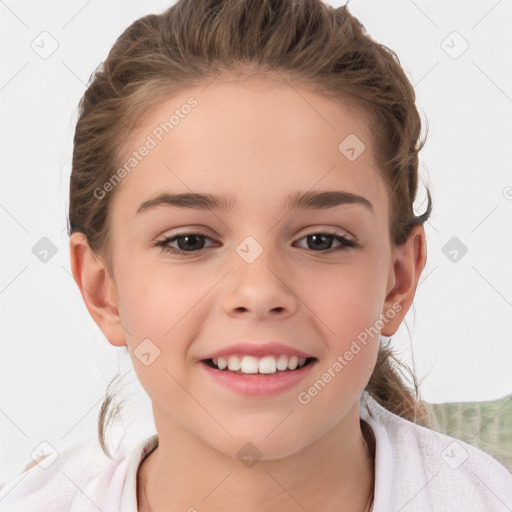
<point x="323" y="241"/>
<point x="187" y="243"/>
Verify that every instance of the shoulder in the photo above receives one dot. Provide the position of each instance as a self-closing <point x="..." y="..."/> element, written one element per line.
<point x="428" y="470"/>
<point x="80" y="477"/>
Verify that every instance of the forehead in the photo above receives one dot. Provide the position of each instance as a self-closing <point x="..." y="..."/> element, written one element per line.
<point x="260" y="136"/>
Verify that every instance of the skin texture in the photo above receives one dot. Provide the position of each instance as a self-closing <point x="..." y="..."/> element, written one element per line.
<point x="258" y="141"/>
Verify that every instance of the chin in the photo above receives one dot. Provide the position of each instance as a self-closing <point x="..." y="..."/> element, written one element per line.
<point x="250" y="450"/>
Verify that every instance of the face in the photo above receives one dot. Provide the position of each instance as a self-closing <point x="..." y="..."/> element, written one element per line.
<point x="313" y="279"/>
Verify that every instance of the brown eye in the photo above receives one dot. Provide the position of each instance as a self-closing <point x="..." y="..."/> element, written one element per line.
<point x="186" y="243"/>
<point x="322" y="242"/>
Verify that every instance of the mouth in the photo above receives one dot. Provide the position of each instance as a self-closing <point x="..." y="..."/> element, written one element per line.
<point x="252" y="376"/>
<point x="257" y="369"/>
<point x="252" y="365"/>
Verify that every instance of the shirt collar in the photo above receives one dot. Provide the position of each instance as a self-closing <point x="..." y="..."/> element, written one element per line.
<point x="129" y="494"/>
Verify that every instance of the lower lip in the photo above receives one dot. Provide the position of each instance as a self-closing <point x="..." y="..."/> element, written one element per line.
<point x="258" y="384"/>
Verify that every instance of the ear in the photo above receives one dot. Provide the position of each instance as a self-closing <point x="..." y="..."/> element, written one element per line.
<point x="407" y="264"/>
<point x="97" y="287"/>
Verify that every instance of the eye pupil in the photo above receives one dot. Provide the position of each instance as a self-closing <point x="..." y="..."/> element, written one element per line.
<point x="317" y="242"/>
<point x="187" y="239"/>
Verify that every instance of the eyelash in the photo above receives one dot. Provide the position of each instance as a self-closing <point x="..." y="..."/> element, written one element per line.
<point x="347" y="244"/>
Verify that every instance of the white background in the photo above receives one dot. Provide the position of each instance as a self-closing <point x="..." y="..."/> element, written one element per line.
<point x="55" y="363"/>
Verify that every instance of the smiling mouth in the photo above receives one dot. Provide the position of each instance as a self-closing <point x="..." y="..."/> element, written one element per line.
<point x="250" y="365"/>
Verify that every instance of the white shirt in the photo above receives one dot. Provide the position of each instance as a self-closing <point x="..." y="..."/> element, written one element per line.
<point x="416" y="470"/>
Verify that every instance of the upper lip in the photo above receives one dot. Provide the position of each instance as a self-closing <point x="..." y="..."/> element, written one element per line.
<point x="257" y="349"/>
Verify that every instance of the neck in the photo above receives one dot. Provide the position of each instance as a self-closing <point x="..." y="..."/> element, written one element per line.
<point x="334" y="473"/>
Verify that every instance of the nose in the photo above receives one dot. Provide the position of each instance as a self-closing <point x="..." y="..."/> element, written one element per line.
<point x="260" y="288"/>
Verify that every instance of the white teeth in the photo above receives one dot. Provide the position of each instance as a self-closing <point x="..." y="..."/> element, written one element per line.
<point x="267" y="364"/>
<point x="249" y="364"/>
<point x="293" y="362"/>
<point x="252" y="364"/>
<point x="233" y="363"/>
<point x="282" y="362"/>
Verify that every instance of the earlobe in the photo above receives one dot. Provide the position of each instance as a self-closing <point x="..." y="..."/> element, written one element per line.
<point x="408" y="262"/>
<point x="97" y="288"/>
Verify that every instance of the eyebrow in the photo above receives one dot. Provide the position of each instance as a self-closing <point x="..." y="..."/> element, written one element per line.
<point x="299" y="200"/>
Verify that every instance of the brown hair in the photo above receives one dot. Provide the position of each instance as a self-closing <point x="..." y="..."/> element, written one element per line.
<point x="306" y="41"/>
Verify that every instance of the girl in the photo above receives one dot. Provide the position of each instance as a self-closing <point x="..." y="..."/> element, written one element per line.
<point x="241" y="218"/>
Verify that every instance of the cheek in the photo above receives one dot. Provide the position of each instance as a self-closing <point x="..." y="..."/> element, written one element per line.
<point x="155" y="298"/>
<point x="157" y="307"/>
<point x="347" y="305"/>
<point x="160" y="309"/>
<point x="345" y="301"/>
